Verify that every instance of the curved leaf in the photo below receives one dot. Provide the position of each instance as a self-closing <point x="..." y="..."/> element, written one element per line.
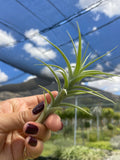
<point x="74" y="106"/>
<point x="65" y="80"/>
<point x="79" y="55"/>
<point x="73" y="44"/>
<point x="84" y="55"/>
<point x="56" y="77"/>
<point x="89" y="73"/>
<point x="50" y="111"/>
<point x="91" y="62"/>
<point x="83" y="63"/>
<point x="64" y="74"/>
<point x="52" y="98"/>
<point x="95" y="93"/>
<point x="63" y="55"/>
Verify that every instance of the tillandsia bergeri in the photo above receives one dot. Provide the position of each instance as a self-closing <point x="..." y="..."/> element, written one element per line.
<point x="72" y="79"/>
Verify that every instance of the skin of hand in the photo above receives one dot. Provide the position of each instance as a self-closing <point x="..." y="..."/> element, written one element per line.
<point x="21" y="137"/>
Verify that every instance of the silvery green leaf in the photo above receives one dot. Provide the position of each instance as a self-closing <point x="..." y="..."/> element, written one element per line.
<point x="56" y="77"/>
<point x="95" y="93"/>
<point x="74" y="106"/>
<point x="79" y="55"/>
<point x="64" y="74"/>
<point x="73" y="44"/>
<point x="63" y="55"/>
<point x="52" y="98"/>
<point x="83" y="58"/>
<point x="91" y="62"/>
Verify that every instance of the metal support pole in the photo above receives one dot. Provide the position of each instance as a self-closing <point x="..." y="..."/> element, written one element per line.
<point x="75" y="122"/>
<point x="98" y="129"/>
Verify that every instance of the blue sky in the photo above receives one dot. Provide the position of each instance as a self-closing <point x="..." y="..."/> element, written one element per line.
<point x="21" y="43"/>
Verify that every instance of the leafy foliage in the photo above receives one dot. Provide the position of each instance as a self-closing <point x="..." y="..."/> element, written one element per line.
<point x="101" y="145"/>
<point x="107" y="112"/>
<point x="72" y="78"/>
<point x="80" y="153"/>
<point x="83" y="115"/>
<point x="116" y="115"/>
<point x="110" y="126"/>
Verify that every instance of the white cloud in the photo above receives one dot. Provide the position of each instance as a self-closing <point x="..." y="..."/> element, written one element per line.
<point x="3" y="77"/>
<point x="110" y="84"/>
<point x="92" y="55"/>
<point x="109" y="8"/>
<point x="76" y="45"/>
<point x="99" y="67"/>
<point x="29" y="78"/>
<point x="33" y="34"/>
<point x="72" y="66"/>
<point x="96" y="17"/>
<point x="95" y="29"/>
<point x="16" y="70"/>
<point x="46" y="71"/>
<point x="41" y="50"/>
<point x="108" y="53"/>
<point x="6" y="39"/>
<point x="108" y="64"/>
<point x="117" y="69"/>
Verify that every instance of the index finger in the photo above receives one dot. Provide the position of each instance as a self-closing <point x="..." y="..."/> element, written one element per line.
<point x="36" y="99"/>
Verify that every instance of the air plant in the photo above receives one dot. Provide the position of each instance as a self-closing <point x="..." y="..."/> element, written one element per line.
<point x="72" y="79"/>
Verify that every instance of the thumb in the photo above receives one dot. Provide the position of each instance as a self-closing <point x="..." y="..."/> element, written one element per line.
<point x="16" y="120"/>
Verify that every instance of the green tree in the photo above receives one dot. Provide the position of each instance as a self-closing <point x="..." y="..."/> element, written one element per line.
<point x="116" y="117"/>
<point x="108" y="114"/>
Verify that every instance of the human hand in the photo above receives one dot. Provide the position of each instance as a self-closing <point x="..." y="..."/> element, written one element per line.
<point x="20" y="136"/>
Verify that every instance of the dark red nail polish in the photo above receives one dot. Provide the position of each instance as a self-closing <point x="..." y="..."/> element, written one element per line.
<point x="31" y="129"/>
<point x="38" y="108"/>
<point x="32" y="141"/>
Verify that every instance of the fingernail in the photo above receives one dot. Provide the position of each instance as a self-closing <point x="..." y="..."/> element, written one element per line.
<point x="38" y="108"/>
<point x="61" y="126"/>
<point x="32" y="141"/>
<point x="31" y="129"/>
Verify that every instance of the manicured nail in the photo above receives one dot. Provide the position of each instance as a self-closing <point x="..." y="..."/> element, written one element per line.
<point x="38" y="108"/>
<point x="31" y="129"/>
<point x="32" y="141"/>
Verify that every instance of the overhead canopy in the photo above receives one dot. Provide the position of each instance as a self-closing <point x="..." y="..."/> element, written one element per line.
<point x="22" y="22"/>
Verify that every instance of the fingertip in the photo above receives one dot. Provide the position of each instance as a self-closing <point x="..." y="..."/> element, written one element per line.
<point x="37" y="130"/>
<point x="54" y="123"/>
<point x="34" y="147"/>
<point x="54" y="93"/>
<point x="32" y="141"/>
<point x="30" y="128"/>
<point x="48" y="97"/>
